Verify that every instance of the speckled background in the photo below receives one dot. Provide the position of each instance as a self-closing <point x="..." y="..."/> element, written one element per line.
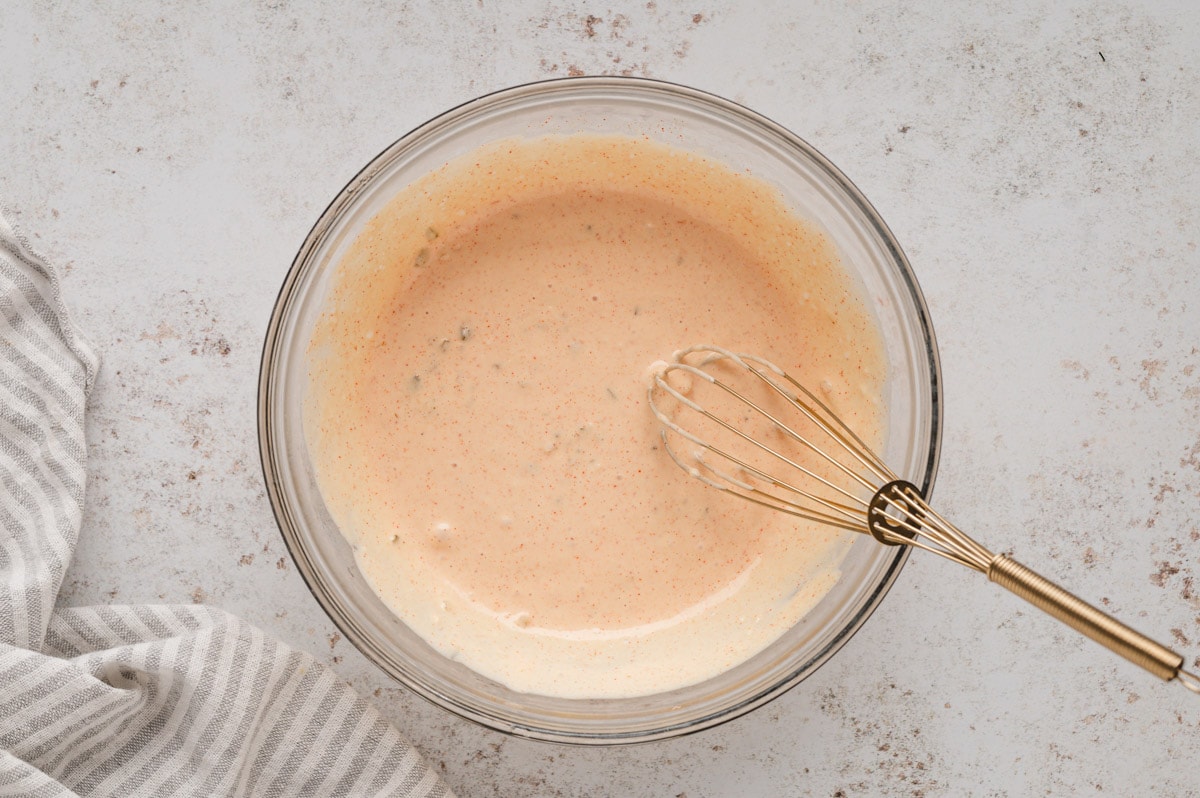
<point x="1039" y="161"/>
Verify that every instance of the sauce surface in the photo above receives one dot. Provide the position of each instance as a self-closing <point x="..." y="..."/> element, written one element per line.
<point x="476" y="410"/>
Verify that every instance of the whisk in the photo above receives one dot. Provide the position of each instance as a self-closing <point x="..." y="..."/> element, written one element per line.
<point x="801" y="459"/>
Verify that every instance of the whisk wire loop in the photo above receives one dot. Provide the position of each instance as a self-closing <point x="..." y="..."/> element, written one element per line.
<point x="842" y="506"/>
<point x="846" y="505"/>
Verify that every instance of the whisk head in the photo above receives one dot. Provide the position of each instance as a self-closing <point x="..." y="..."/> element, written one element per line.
<point x="739" y="423"/>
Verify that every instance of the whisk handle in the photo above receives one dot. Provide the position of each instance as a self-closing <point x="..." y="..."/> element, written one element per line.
<point x="1083" y="617"/>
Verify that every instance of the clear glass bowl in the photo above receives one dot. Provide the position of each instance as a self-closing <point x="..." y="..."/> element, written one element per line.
<point x="683" y="118"/>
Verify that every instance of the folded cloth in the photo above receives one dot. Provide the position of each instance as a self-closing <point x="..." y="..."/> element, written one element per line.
<point x="141" y="700"/>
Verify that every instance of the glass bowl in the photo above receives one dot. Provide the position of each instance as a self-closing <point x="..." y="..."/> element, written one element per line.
<point x="682" y="118"/>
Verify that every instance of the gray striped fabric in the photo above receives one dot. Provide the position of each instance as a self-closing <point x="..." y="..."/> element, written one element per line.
<point x="148" y="700"/>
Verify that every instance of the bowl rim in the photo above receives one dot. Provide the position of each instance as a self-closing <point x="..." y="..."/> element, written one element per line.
<point x="270" y="459"/>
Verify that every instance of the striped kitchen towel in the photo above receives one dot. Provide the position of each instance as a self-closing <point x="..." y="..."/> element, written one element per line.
<point x="141" y="700"/>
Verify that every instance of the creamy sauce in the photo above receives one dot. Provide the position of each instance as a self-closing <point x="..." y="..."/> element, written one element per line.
<point x="477" y="416"/>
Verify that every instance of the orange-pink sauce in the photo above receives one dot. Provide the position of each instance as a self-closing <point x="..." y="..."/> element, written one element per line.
<point x="477" y="416"/>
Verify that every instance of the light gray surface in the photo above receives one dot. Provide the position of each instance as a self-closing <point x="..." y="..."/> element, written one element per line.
<point x="1041" y="167"/>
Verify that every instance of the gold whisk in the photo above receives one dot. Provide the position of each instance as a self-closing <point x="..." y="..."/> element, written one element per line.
<point x="830" y="476"/>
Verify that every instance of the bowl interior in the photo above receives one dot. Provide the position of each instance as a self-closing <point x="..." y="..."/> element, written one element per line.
<point x="681" y="118"/>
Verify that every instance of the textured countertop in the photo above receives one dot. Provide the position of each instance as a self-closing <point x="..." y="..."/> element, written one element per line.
<point x="1040" y="165"/>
